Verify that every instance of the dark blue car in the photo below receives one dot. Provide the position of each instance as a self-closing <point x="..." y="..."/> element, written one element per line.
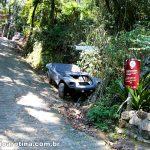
<point x="70" y="79"/>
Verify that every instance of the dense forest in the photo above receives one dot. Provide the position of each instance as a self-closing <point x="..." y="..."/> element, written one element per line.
<point x="119" y="29"/>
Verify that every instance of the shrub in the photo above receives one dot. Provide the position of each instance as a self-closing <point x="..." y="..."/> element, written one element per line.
<point x="103" y="117"/>
<point x="35" y="57"/>
<point x="141" y="96"/>
<point x="91" y="62"/>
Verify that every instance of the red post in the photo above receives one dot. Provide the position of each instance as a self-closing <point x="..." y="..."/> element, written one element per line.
<point x="132" y="73"/>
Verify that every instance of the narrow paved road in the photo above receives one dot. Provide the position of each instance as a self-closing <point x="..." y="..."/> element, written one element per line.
<point x="26" y="120"/>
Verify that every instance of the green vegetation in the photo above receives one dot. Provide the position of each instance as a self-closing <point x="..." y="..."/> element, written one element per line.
<point x="118" y="29"/>
<point x="103" y="116"/>
<point x="141" y="96"/>
<point x="132" y="44"/>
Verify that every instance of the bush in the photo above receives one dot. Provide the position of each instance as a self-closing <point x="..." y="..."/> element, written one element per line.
<point x="91" y="62"/>
<point x="103" y="117"/>
<point x="141" y="96"/>
<point x="35" y="57"/>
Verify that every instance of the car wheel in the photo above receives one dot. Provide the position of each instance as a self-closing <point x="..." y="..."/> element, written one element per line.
<point x="61" y="90"/>
<point x="49" y="78"/>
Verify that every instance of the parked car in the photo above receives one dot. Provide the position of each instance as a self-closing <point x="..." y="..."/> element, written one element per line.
<point x="17" y="36"/>
<point x="70" y="79"/>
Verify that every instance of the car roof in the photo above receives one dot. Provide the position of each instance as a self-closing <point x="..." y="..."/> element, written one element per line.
<point x="60" y="67"/>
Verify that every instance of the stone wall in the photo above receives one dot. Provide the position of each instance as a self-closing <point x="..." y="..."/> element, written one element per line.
<point x="136" y="124"/>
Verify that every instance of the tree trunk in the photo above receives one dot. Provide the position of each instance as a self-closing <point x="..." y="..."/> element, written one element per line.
<point x="33" y="15"/>
<point x="52" y="13"/>
<point x="35" y="4"/>
<point x="108" y="6"/>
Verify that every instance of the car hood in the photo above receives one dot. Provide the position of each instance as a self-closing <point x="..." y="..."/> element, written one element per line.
<point x="76" y="73"/>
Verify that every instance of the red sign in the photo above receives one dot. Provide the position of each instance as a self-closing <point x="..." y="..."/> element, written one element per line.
<point x="132" y="73"/>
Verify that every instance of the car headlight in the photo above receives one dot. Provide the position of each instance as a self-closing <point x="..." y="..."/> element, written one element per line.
<point x="72" y="84"/>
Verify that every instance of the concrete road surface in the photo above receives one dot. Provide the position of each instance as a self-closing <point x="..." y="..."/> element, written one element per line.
<point x="27" y="122"/>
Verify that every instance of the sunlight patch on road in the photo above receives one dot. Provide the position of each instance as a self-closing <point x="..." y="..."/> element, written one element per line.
<point x="27" y="129"/>
<point x="16" y="135"/>
<point x="6" y="144"/>
<point x="5" y="44"/>
<point x="16" y="71"/>
<point x="5" y="79"/>
<point x="18" y="82"/>
<point x="5" y="54"/>
<point x="43" y="116"/>
<point x="33" y="101"/>
<point x="101" y="143"/>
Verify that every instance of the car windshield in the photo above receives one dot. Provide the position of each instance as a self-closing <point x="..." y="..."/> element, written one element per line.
<point x="66" y="67"/>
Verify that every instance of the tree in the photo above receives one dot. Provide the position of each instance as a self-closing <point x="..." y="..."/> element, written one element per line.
<point x="3" y="2"/>
<point x="52" y="13"/>
<point x="122" y="15"/>
<point x="35" y="4"/>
